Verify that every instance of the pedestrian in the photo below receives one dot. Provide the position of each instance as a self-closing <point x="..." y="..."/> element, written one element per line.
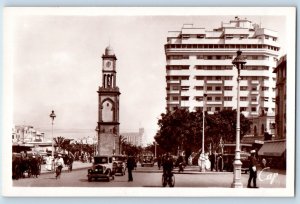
<point x="159" y="162"/>
<point x="130" y="167"/>
<point x="252" y="170"/>
<point x="212" y="161"/>
<point x="264" y="163"/>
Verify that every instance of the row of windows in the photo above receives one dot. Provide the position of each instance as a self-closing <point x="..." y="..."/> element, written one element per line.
<point x="216" y="108"/>
<point x="219" y="78"/>
<point x="219" y="98"/>
<point x="224" y="57"/>
<point x="226" y="36"/>
<point x="222" y="46"/>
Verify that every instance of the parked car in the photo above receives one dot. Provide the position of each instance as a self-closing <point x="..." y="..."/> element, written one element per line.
<point x="228" y="160"/>
<point x="102" y="168"/>
<point x="119" y="164"/>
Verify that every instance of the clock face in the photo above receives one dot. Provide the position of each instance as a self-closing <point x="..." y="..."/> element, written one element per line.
<point x="108" y="65"/>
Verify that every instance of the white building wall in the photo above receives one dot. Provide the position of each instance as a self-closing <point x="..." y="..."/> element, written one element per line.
<point x="213" y="51"/>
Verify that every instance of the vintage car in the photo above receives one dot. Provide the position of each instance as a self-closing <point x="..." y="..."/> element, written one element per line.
<point x="147" y="160"/>
<point x="228" y="160"/>
<point x="119" y="164"/>
<point x="102" y="168"/>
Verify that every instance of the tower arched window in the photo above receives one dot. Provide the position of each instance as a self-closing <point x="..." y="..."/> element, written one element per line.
<point x="107" y="111"/>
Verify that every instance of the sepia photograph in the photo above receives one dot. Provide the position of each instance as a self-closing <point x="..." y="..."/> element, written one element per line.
<point x="157" y="101"/>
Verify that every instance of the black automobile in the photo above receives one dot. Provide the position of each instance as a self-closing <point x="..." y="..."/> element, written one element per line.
<point x="119" y="164"/>
<point x="102" y="168"/>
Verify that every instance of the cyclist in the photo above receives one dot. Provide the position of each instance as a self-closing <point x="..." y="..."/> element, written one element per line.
<point x="59" y="163"/>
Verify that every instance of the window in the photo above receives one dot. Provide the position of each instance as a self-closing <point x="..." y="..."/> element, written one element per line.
<point x="244" y="88"/>
<point x="184" y="98"/>
<point x="243" y="108"/>
<point x="184" y="88"/>
<point x="209" y="98"/>
<point x="266" y="37"/>
<point x="200" y="77"/>
<point x="254" y="88"/>
<point x="218" y="88"/>
<point x="199" y="98"/>
<point x="208" y="108"/>
<point x="253" y="109"/>
<point x="228" y="88"/>
<point x="228" y="77"/>
<point x="243" y="98"/>
<point x="209" y="88"/>
<point x="175" y="88"/>
<point x="218" y="98"/>
<point x="175" y="98"/>
<point x="264" y="88"/>
<point x="253" y="99"/>
<point x="199" y="88"/>
<point x="217" y="108"/>
<point x="199" y="56"/>
<point x="227" y="98"/>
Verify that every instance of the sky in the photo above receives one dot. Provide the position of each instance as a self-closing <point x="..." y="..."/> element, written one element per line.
<point x="57" y="66"/>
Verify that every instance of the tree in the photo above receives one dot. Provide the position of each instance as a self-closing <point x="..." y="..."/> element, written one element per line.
<point x="182" y="129"/>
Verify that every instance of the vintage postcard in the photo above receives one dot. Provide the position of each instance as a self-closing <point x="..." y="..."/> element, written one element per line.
<point x="180" y="102"/>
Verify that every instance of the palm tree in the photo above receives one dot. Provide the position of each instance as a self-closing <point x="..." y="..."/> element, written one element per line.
<point x="59" y="142"/>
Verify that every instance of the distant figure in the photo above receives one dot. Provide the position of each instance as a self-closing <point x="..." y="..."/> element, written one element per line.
<point x="212" y="161"/>
<point x="252" y="170"/>
<point x="130" y="167"/>
<point x="159" y="162"/>
<point x="264" y="163"/>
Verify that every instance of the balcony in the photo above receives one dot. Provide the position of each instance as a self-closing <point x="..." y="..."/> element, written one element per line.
<point x="254" y="92"/>
<point x="254" y="82"/>
<point x="173" y="92"/>
<point x="214" y="82"/>
<point x="173" y="81"/>
<point x="213" y="92"/>
<point x="173" y="102"/>
<point x="229" y="83"/>
<point x="254" y="102"/>
<point x="213" y="102"/>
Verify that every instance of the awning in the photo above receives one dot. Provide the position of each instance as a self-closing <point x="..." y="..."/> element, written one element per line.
<point x="275" y="148"/>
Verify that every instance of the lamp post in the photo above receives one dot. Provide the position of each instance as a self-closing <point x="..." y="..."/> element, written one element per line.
<point x="202" y="155"/>
<point x="238" y="62"/>
<point x="52" y="116"/>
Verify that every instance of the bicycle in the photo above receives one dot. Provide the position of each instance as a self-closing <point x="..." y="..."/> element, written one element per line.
<point x="168" y="178"/>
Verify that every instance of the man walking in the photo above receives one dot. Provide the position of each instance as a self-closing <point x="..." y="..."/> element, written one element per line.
<point x="130" y="167"/>
<point x="252" y="170"/>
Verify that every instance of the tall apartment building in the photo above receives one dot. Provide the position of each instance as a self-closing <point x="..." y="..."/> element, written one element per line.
<point x="200" y="61"/>
<point x="280" y="116"/>
<point x="134" y="138"/>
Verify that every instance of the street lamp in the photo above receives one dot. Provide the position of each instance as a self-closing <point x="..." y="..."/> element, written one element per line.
<point x="238" y="62"/>
<point x="52" y="116"/>
<point x="202" y="156"/>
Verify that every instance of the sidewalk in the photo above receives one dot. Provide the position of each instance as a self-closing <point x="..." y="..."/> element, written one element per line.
<point x="76" y="165"/>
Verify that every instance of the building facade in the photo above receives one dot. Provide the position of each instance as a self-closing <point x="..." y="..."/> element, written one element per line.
<point x="108" y="106"/>
<point x="280" y="109"/>
<point x="134" y="138"/>
<point x="25" y="133"/>
<point x="199" y="61"/>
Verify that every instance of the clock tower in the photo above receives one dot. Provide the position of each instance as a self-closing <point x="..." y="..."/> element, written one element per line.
<point x="108" y="106"/>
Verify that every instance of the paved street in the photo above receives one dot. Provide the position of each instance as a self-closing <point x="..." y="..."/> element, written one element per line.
<point x="151" y="177"/>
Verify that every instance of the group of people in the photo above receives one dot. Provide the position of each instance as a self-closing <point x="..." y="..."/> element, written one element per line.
<point x="23" y="163"/>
